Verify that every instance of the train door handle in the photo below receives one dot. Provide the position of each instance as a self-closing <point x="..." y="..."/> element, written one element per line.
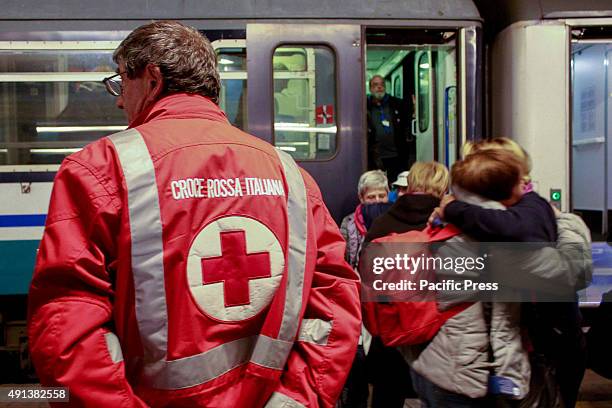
<point x="414" y="127"/>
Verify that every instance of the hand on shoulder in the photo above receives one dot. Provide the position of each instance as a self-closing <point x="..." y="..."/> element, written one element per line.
<point x="438" y="212"/>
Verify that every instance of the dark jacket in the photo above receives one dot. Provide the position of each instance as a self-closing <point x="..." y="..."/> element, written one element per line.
<point x="401" y="120"/>
<point x="410" y="212"/>
<point x="530" y="220"/>
<point x="389" y="371"/>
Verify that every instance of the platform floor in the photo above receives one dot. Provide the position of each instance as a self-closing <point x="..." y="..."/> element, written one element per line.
<point x="595" y="392"/>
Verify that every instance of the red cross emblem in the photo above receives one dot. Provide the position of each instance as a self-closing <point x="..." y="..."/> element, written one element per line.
<point x="235" y="268"/>
<point x="325" y="114"/>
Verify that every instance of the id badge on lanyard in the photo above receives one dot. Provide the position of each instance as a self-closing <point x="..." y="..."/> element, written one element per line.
<point x="384" y="121"/>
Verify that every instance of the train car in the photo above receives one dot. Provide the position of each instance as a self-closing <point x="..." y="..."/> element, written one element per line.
<point x="305" y="66"/>
<point x="550" y="88"/>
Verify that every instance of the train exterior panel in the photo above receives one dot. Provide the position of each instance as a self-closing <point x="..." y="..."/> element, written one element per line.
<point x="25" y="199"/>
<point x="530" y="98"/>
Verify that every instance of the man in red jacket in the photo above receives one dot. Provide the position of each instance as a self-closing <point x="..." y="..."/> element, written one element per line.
<point x="185" y="262"/>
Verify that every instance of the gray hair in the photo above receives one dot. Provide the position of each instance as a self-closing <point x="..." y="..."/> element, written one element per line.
<point x="185" y="57"/>
<point x="372" y="179"/>
<point x="375" y="76"/>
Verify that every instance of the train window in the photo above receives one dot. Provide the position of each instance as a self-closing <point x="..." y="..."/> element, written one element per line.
<point x="53" y="102"/>
<point x="231" y="59"/>
<point x="423" y="91"/>
<point x="591" y="193"/>
<point x="305" y="101"/>
<point x="397" y="87"/>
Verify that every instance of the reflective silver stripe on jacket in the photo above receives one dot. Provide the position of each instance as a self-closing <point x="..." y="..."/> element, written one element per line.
<point x="147" y="244"/>
<point x="269" y="352"/>
<point x="148" y="271"/>
<point x="315" y="331"/>
<point x="199" y="368"/>
<point x="279" y="400"/>
<point x="296" y="211"/>
<point x="113" y="346"/>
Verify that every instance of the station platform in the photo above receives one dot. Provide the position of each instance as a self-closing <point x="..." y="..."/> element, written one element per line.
<point x="595" y="392"/>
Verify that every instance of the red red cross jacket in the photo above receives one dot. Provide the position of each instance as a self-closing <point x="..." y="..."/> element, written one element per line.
<point x="187" y="263"/>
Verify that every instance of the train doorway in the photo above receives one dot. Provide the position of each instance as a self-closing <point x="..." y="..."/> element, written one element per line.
<point x="419" y="69"/>
<point x="591" y="132"/>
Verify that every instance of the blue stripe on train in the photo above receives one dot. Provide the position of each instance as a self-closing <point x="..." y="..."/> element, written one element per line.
<point x="602" y="255"/>
<point x="601" y="279"/>
<point x="23" y="220"/>
<point x="27" y="177"/>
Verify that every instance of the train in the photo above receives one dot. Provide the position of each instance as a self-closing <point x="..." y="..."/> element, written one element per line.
<point x="549" y="87"/>
<point x="295" y="74"/>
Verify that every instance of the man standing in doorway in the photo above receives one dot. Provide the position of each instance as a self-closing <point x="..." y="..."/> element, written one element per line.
<point x="391" y="146"/>
<point x="185" y="262"/>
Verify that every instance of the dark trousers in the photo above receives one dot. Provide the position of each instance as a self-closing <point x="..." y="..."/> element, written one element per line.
<point x="555" y="330"/>
<point x="389" y="375"/>
<point x="355" y="392"/>
<point x="570" y="365"/>
<point x="433" y="396"/>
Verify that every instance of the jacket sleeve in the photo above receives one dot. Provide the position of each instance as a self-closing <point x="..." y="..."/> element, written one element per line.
<point x="70" y="310"/>
<point x="327" y="339"/>
<point x="558" y="271"/>
<point x="574" y="244"/>
<point x="487" y="224"/>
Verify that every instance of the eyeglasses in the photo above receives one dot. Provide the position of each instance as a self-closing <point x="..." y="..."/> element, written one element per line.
<point x="113" y="86"/>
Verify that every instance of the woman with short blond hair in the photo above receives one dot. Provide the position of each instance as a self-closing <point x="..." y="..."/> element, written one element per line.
<point x="428" y="178"/>
<point x="427" y="183"/>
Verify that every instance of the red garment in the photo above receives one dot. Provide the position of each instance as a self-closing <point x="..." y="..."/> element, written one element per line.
<point x="359" y="221"/>
<point x="399" y="320"/>
<point x="91" y="274"/>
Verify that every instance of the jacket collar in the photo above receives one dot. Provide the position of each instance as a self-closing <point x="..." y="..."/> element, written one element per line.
<point x="475" y="199"/>
<point x="181" y="105"/>
<point x="414" y="208"/>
